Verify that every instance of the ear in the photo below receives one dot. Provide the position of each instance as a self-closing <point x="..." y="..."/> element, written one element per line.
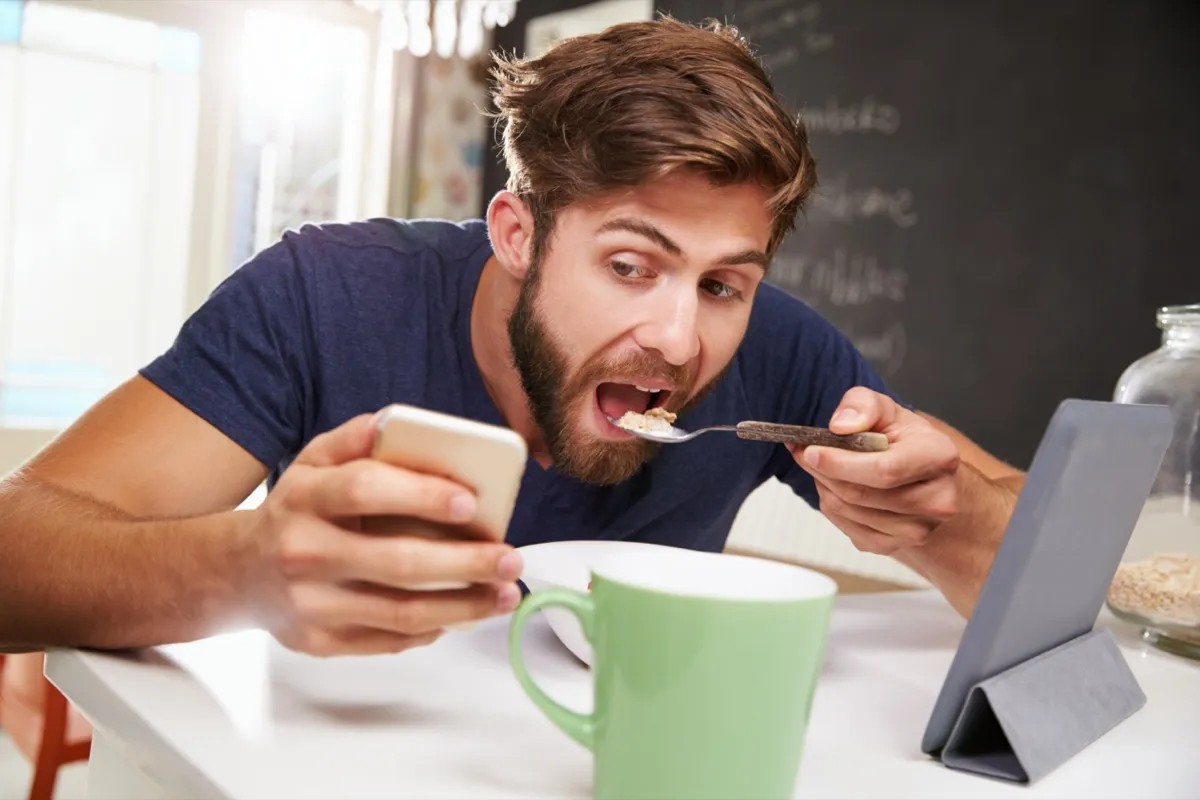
<point x="510" y="227"/>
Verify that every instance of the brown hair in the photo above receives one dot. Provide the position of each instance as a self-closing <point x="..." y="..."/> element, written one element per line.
<point x="640" y="100"/>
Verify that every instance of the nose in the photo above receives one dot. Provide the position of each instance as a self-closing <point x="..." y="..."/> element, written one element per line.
<point x="671" y="328"/>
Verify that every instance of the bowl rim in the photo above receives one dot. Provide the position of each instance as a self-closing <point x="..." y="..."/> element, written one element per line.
<point x="829" y="586"/>
<point x="577" y="544"/>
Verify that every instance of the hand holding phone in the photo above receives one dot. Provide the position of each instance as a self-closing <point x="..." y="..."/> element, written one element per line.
<point x="328" y="582"/>
<point x="485" y="459"/>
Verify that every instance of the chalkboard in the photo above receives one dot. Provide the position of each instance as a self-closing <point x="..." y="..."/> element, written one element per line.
<point x="1008" y="190"/>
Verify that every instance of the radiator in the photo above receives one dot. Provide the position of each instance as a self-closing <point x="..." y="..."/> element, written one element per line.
<point x="775" y="522"/>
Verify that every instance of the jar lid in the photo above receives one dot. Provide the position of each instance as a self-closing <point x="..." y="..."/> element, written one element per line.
<point x="1179" y="315"/>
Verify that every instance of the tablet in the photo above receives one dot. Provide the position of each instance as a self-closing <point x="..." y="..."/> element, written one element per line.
<point x="1082" y="496"/>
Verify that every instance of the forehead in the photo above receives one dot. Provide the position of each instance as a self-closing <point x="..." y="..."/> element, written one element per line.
<point x="687" y="208"/>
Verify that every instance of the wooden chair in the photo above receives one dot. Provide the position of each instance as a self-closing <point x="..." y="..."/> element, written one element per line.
<point x="44" y="726"/>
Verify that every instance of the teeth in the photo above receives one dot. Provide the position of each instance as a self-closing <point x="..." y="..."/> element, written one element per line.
<point x="644" y="389"/>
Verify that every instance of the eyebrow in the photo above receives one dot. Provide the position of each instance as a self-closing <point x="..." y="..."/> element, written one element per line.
<point x="643" y="229"/>
<point x="646" y="230"/>
<point x="747" y="257"/>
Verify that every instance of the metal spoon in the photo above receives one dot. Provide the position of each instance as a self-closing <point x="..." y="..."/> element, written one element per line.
<point x="767" y="432"/>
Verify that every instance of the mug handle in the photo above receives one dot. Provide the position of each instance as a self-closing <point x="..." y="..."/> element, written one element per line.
<point x="580" y="727"/>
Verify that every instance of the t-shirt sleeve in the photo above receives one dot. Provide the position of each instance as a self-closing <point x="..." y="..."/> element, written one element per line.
<point x="808" y="367"/>
<point x="242" y="360"/>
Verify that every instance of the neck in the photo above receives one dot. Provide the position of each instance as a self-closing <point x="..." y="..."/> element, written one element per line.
<point x="494" y="301"/>
<point x="1182" y="337"/>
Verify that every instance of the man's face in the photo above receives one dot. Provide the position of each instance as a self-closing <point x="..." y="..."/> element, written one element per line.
<point x="648" y="289"/>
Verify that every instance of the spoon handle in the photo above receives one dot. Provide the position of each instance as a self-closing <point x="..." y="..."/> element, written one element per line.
<point x="804" y="435"/>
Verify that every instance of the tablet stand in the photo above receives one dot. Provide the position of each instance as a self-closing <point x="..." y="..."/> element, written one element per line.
<point x="1022" y="723"/>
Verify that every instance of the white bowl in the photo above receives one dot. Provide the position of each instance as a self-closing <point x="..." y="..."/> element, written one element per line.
<point x="569" y="565"/>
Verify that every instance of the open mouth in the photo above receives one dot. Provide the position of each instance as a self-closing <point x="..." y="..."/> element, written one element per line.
<point x="617" y="399"/>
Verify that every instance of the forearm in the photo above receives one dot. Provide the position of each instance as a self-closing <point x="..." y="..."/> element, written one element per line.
<point x="78" y="573"/>
<point x="958" y="554"/>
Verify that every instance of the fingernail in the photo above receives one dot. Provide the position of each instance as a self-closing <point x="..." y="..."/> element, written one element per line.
<point x="507" y="597"/>
<point x="846" y="416"/>
<point x="509" y="567"/>
<point x="462" y="507"/>
<point x="812" y="456"/>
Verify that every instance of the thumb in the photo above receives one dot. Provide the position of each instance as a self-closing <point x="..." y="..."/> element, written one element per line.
<point x="863" y="410"/>
<point x="351" y="440"/>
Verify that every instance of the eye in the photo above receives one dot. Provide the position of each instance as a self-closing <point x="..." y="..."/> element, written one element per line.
<point x="719" y="290"/>
<point x="623" y="270"/>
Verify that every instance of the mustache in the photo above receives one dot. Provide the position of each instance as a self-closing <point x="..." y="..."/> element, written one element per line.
<point x="640" y="366"/>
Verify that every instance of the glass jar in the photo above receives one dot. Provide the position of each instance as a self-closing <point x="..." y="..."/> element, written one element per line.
<point x="1157" y="585"/>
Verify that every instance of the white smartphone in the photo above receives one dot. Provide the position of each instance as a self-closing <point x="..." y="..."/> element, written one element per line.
<point x="487" y="459"/>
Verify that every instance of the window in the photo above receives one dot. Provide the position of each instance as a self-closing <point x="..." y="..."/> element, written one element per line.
<point x="302" y="131"/>
<point x="98" y="134"/>
<point x="124" y="198"/>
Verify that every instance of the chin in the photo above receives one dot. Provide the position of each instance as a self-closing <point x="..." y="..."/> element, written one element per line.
<point x="596" y="452"/>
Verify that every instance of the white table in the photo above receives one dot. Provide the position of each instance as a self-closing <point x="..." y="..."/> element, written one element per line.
<point x="238" y="717"/>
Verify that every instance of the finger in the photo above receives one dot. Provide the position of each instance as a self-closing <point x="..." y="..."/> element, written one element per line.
<point x="909" y="530"/>
<point x="350" y="440"/>
<point x="411" y="526"/>
<point x="936" y="500"/>
<point x="316" y="549"/>
<point x="867" y="540"/>
<point x="861" y="410"/>
<point x="401" y="561"/>
<point x="864" y="539"/>
<point x="358" y="642"/>
<point x="907" y="461"/>
<point x="331" y="606"/>
<point x="367" y="487"/>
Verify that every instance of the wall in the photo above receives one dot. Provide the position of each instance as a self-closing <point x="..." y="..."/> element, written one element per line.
<point x="451" y="137"/>
<point x="98" y="138"/>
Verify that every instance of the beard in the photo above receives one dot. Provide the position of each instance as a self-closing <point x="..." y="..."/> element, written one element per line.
<point x="560" y="401"/>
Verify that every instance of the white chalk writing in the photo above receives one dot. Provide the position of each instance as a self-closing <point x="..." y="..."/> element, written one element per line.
<point x="757" y="8"/>
<point x="777" y="58"/>
<point x="862" y="296"/>
<point x="866" y="116"/>
<point x="842" y="279"/>
<point x="885" y="350"/>
<point x="842" y="204"/>
<point x="809" y="39"/>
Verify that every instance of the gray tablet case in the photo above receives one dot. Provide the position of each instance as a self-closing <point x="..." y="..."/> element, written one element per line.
<point x="1032" y="683"/>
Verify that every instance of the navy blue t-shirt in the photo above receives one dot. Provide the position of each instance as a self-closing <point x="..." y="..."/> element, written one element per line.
<point x="338" y="320"/>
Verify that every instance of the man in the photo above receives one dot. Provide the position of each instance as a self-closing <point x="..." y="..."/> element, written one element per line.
<point x="654" y="174"/>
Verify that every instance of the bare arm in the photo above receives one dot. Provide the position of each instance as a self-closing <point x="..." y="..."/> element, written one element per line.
<point x="957" y="555"/>
<point x="984" y="462"/>
<point x="120" y="533"/>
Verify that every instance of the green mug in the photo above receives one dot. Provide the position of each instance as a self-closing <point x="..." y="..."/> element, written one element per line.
<point x="704" y="667"/>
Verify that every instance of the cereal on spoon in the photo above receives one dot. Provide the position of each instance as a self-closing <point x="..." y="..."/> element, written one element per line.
<point x="655" y="420"/>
